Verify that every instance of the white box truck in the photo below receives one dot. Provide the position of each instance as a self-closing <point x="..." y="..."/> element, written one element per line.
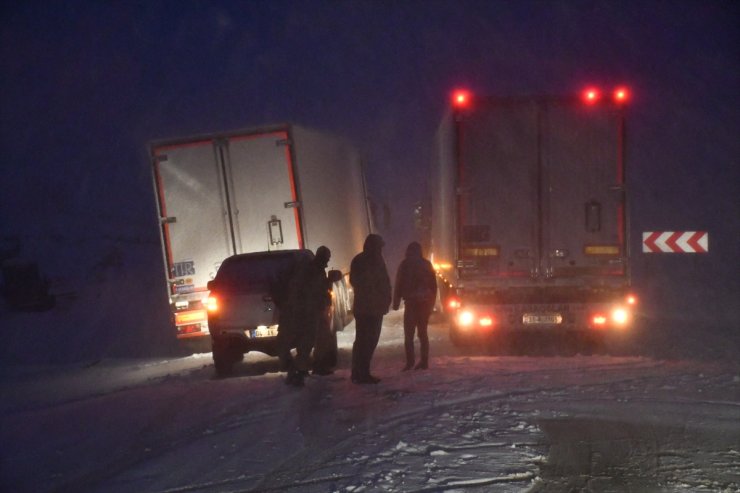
<point x="529" y="221"/>
<point x="280" y="187"/>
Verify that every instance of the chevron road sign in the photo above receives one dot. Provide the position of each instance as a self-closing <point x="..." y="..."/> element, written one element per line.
<point x="675" y="242"/>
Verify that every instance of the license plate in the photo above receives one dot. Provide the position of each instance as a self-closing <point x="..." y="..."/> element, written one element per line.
<point x="542" y="318"/>
<point x="263" y="332"/>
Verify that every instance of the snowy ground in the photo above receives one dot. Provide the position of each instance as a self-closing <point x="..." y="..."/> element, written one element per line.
<point x="472" y="422"/>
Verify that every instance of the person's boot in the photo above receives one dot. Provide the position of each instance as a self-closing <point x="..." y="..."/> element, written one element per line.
<point x="322" y="371"/>
<point x="424" y="363"/>
<point x="294" y="378"/>
<point x="409" y="357"/>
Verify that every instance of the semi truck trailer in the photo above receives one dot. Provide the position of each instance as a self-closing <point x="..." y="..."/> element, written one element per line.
<point x="530" y="217"/>
<point x="278" y="187"/>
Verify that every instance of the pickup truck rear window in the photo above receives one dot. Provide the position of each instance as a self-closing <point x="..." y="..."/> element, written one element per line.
<point x="258" y="273"/>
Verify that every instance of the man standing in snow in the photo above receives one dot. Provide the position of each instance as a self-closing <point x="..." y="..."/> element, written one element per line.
<point x="307" y="303"/>
<point x="417" y="285"/>
<point x="369" y="278"/>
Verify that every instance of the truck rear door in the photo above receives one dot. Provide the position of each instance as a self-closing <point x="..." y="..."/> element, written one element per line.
<point x="541" y="190"/>
<point x="583" y="199"/>
<point x="498" y="193"/>
<point x="190" y="189"/>
<point x="263" y="193"/>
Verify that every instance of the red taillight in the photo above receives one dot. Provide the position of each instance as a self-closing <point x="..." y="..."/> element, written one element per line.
<point x="453" y="303"/>
<point x="212" y="304"/>
<point x="616" y="317"/>
<point x="469" y="319"/>
<point x="631" y="299"/>
<point x="591" y="95"/>
<point x="461" y="99"/>
<point x="466" y="318"/>
<point x="620" y="316"/>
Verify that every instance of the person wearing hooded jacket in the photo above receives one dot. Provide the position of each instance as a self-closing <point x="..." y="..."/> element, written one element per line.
<point x="307" y="302"/>
<point x="372" y="286"/>
<point x="416" y="284"/>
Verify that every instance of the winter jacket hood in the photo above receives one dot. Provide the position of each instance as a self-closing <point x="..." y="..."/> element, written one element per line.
<point x="413" y="250"/>
<point x="369" y="278"/>
<point x="415" y="279"/>
<point x="373" y="244"/>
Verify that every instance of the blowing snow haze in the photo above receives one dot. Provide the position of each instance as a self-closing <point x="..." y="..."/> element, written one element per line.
<point x="87" y="85"/>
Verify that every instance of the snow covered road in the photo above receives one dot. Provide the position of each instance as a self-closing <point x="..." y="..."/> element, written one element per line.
<point x="472" y="422"/>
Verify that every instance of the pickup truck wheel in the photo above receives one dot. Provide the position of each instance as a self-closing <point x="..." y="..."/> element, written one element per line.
<point x="224" y="358"/>
<point x="224" y="366"/>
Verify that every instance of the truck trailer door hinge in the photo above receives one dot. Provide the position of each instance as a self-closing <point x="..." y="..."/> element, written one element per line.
<point x="283" y="142"/>
<point x="292" y="205"/>
<point x="168" y="220"/>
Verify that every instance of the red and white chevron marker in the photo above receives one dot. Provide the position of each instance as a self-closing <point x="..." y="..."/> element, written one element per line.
<point x="675" y="242"/>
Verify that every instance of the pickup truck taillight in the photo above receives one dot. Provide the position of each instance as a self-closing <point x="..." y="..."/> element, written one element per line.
<point x="212" y="304"/>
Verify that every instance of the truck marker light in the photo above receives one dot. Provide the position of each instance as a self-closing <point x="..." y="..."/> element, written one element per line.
<point x="453" y="303"/>
<point x="621" y="95"/>
<point x="591" y="95"/>
<point x="212" y="304"/>
<point x="486" y="321"/>
<point x="631" y="299"/>
<point x="461" y="98"/>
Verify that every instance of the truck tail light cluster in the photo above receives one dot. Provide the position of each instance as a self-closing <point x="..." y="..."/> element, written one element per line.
<point x="468" y="319"/>
<point x="618" y="317"/>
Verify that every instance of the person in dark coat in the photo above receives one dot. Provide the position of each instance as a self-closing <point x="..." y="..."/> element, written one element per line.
<point x="369" y="278"/>
<point x="416" y="284"/>
<point x="307" y="303"/>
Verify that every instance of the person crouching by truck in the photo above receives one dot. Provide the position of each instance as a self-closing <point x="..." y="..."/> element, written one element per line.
<point x="416" y="284"/>
<point x="306" y="306"/>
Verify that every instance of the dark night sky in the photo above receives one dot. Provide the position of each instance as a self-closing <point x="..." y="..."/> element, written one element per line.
<point x="86" y="85"/>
